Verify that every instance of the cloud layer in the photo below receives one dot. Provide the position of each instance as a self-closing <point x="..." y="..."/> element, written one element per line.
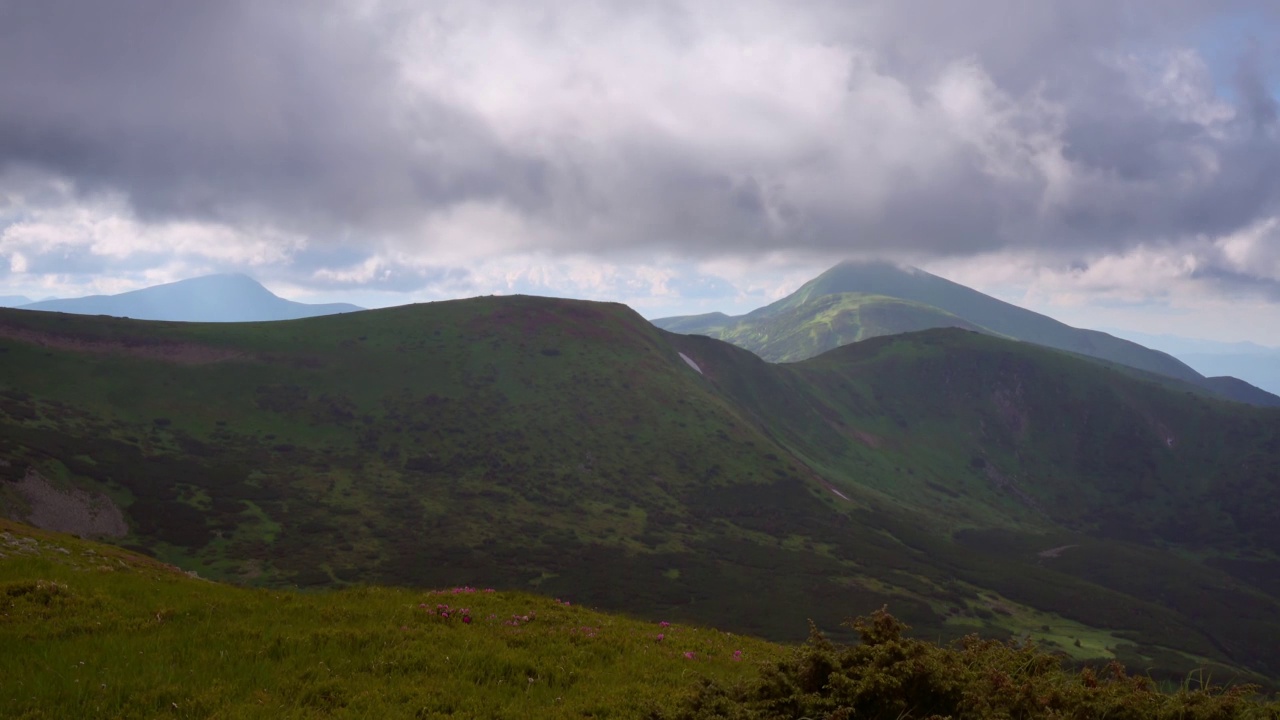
<point x="405" y="146"/>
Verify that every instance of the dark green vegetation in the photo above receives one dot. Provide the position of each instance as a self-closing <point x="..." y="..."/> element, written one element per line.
<point x="890" y="676"/>
<point x="968" y="482"/>
<point x="854" y="301"/>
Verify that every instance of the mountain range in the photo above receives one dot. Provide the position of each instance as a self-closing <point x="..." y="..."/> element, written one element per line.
<point x="970" y="482"/>
<point x="1259" y="364"/>
<point x="211" y="298"/>
<point x="850" y="302"/>
<point x="854" y="301"/>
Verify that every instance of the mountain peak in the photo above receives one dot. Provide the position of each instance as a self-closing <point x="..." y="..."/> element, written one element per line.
<point x="858" y="299"/>
<point x="225" y="297"/>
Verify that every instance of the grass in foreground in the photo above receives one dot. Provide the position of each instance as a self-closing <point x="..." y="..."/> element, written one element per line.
<point x="93" y="631"/>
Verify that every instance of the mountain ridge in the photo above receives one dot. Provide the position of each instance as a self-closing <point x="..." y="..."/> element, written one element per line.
<point x="812" y="320"/>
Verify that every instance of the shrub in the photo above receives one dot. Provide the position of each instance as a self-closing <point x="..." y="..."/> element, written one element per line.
<point x="890" y="676"/>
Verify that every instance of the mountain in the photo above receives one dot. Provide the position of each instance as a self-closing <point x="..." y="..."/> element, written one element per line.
<point x="854" y="301"/>
<point x="212" y="298"/>
<point x="1256" y="364"/>
<point x="971" y="483"/>
<point x="13" y="300"/>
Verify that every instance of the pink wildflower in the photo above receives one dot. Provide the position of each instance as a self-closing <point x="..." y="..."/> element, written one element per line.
<point x="661" y="637"/>
<point x="664" y="623"/>
<point x="688" y="656"/>
<point x="737" y="654"/>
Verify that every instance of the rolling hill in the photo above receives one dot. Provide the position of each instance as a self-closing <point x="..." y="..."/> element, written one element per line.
<point x="212" y="298"/>
<point x="969" y="482"/>
<point x="854" y="301"/>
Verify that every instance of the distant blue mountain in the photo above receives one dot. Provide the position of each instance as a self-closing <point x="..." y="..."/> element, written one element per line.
<point x="1258" y="364"/>
<point x="212" y="298"/>
<point x="14" y="300"/>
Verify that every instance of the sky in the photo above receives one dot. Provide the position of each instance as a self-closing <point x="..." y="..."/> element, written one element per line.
<point x="1112" y="163"/>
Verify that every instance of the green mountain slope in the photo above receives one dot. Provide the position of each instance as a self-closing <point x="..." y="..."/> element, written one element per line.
<point x="569" y="448"/>
<point x="857" y="300"/>
<point x="802" y="331"/>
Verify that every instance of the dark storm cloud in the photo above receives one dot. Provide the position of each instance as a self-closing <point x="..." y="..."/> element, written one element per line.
<point x="1257" y="100"/>
<point x="1033" y="124"/>
<point x="235" y="111"/>
<point x="1237" y="283"/>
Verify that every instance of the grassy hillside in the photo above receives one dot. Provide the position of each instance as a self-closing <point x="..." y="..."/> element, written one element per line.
<point x="550" y="445"/>
<point x="1065" y="483"/>
<point x="970" y="483"/>
<point x="855" y="301"/>
<point x="91" y="631"/>
<point x="828" y="321"/>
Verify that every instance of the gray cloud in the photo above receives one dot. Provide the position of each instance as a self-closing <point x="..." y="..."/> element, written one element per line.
<point x="952" y="129"/>
<point x="287" y="113"/>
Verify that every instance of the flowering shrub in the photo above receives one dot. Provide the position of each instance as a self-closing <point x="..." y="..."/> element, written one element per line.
<point x="444" y="612"/>
<point x="518" y="620"/>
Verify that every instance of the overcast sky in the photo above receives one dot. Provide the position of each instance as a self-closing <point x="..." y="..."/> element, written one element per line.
<point x="1111" y="162"/>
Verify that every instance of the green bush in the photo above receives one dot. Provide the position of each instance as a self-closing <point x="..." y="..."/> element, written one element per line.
<point x="890" y="676"/>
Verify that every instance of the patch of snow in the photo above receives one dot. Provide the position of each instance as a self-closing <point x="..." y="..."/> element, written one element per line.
<point x="694" y="365"/>
<point x="1055" y="552"/>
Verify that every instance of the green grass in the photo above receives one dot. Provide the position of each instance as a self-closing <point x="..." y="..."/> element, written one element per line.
<point x="91" y="632"/>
